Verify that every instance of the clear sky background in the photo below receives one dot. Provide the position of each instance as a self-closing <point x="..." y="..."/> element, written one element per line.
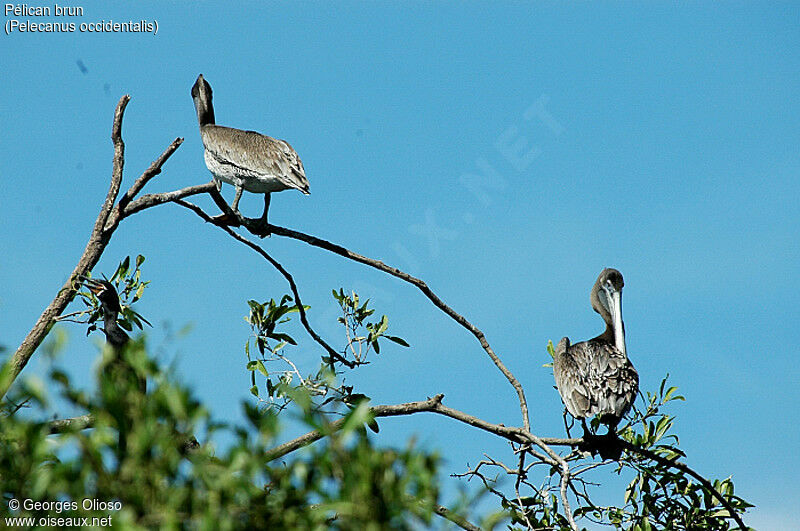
<point x="657" y="139"/>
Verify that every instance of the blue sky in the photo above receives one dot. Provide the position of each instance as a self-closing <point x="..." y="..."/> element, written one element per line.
<point x="661" y="140"/>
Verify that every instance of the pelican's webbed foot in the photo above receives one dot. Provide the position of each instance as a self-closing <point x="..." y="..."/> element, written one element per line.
<point x="230" y="219"/>
<point x="258" y="226"/>
<point x="609" y="446"/>
<point x="589" y="444"/>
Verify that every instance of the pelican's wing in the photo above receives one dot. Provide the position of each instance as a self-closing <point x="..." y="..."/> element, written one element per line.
<point x="253" y="152"/>
<point x="570" y="380"/>
<point x="594" y="378"/>
<point x="613" y="380"/>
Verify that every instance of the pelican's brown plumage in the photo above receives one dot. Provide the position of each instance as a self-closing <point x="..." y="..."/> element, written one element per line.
<point x="246" y="159"/>
<point x="595" y="377"/>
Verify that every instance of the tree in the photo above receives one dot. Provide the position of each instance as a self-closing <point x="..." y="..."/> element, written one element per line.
<point x="342" y="479"/>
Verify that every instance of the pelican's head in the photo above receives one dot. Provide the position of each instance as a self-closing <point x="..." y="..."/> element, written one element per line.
<point x="606" y="300"/>
<point x="202" y="95"/>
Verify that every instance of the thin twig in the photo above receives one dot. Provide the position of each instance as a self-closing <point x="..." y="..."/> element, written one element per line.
<point x="518" y="481"/>
<point x="72" y="424"/>
<point x="685" y="468"/>
<point x="428" y="292"/>
<point x="303" y="319"/>
<point x="91" y="254"/>
<point x="432" y="405"/>
<point x="151" y="200"/>
<point x="455" y="518"/>
<point x="565" y="480"/>
<point x="149" y="173"/>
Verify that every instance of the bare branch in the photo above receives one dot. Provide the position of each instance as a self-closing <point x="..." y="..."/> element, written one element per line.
<point x="456" y="518"/>
<point x="151" y="200"/>
<point x="107" y="221"/>
<point x="117" y="167"/>
<point x="379" y="411"/>
<point x="423" y="287"/>
<point x="520" y="477"/>
<point x="673" y="463"/>
<point x="565" y="480"/>
<point x="303" y="319"/>
<point x="91" y="254"/>
<point x="73" y="424"/>
<point x="149" y="173"/>
<point x="434" y="405"/>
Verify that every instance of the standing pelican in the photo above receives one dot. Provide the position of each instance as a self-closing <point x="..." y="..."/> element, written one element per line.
<point x="595" y="377"/>
<point x="246" y="159"/>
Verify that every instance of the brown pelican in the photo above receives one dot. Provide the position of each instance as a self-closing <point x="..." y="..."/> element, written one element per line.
<point x="246" y="159"/>
<point x="595" y="377"/>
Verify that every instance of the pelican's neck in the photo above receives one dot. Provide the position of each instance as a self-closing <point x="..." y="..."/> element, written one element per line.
<point x="607" y="336"/>
<point x="614" y="337"/>
<point x="205" y="111"/>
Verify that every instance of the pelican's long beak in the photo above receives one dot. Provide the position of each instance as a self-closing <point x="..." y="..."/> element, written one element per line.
<point x="616" y="317"/>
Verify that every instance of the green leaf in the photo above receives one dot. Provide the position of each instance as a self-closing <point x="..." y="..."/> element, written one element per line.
<point x="398" y="340"/>
<point x="279" y="346"/>
<point x="139" y="292"/>
<point x="670" y="391"/>
<point x="283" y="337"/>
<point x="357" y="417"/>
<point x="551" y="349"/>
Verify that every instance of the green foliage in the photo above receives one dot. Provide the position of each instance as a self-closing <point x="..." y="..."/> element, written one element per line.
<point x="658" y="497"/>
<point x="130" y="288"/>
<point x="552" y="351"/>
<point x="284" y="384"/>
<point x="663" y="497"/>
<point x="323" y="390"/>
<point x="342" y="482"/>
<point x="354" y="319"/>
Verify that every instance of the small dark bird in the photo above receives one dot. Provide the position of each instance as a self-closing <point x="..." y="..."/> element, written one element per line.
<point x="115" y="334"/>
<point x="246" y="159"/>
<point x="595" y="377"/>
<point x="109" y="302"/>
<point x="121" y="386"/>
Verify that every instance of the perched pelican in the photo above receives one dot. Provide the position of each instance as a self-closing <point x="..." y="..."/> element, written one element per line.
<point x="246" y="159"/>
<point x="595" y="377"/>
